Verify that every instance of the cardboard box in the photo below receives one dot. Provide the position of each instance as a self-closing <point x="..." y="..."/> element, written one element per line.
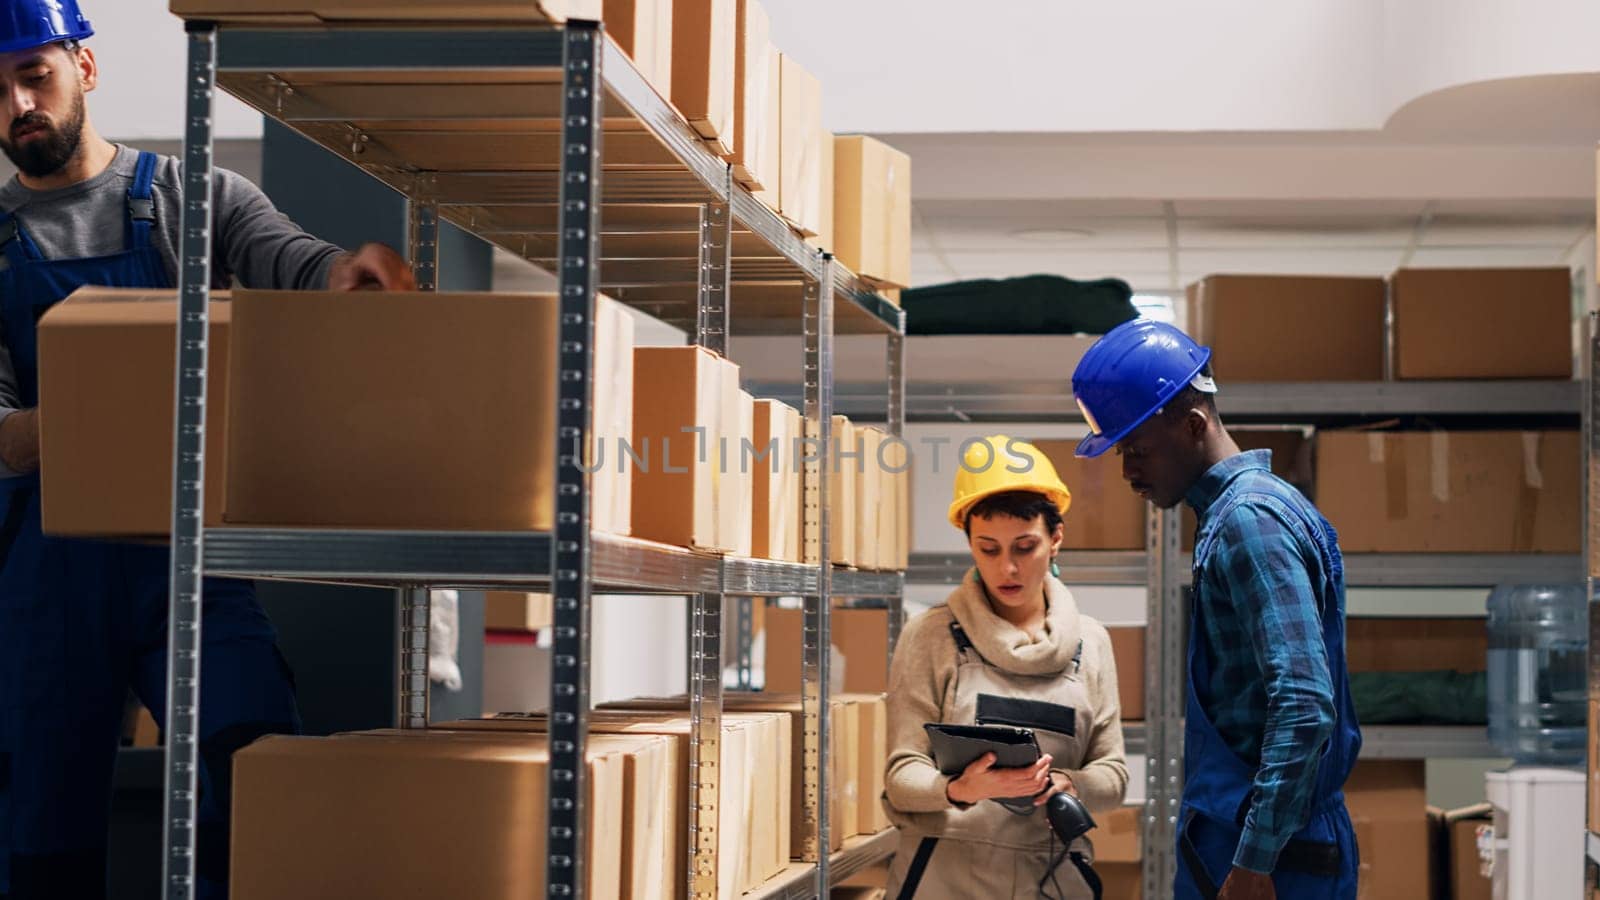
<point x="793" y="762"/>
<point x="869" y="499"/>
<point x="1385" y="644"/>
<point x="1265" y="328"/>
<point x="1120" y="881"/>
<point x="1594" y="764"/>
<point x="704" y="39"/>
<point x="1387" y="800"/>
<point x="675" y="487"/>
<point x="1105" y="514"/>
<point x="321" y="818"/>
<point x="1451" y="492"/>
<point x="1127" y="649"/>
<point x="735" y="475"/>
<point x="610" y="481"/>
<point x="1117" y="837"/>
<point x="825" y="238"/>
<point x="897" y="471"/>
<point x="106" y="362"/>
<point x="1458" y="874"/>
<point x="755" y="92"/>
<point x="289" y="11"/>
<point x="516" y="611"/>
<point x="843" y="474"/>
<point x="884" y="461"/>
<point x="872" y="210"/>
<point x="643" y="29"/>
<point x="873" y="753"/>
<point x="753" y="801"/>
<point x="850" y="785"/>
<point x="1482" y="323"/>
<point x="1291" y="461"/>
<point x="800" y="137"/>
<point x="318" y="382"/>
<point x="776" y="482"/>
<point x="860" y="635"/>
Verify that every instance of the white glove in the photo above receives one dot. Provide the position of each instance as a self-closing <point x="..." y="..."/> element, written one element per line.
<point x="444" y="639"/>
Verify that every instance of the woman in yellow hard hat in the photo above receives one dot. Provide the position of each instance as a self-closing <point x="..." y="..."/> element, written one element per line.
<point x="1008" y="647"/>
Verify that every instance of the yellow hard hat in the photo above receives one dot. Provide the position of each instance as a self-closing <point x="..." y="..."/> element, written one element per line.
<point x="991" y="466"/>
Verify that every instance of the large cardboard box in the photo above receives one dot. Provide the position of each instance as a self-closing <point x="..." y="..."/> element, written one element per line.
<point x="1291" y="461"/>
<point x="106" y="362"/>
<point x="643" y="29"/>
<point x="1451" y="492"/>
<point x="873" y="759"/>
<point x="1387" y="800"/>
<point x="800" y="156"/>
<point x="735" y="474"/>
<point x="756" y="98"/>
<point x="1280" y="328"/>
<point x="1482" y="323"/>
<point x="676" y="484"/>
<point x="844" y="472"/>
<point x="776" y="482"/>
<point x="704" y="41"/>
<point x="1385" y="644"/>
<point x="1105" y="514"/>
<point x="610" y="481"/>
<point x="872" y="210"/>
<point x="860" y="635"/>
<point x="1120" y="880"/>
<point x="1127" y="649"/>
<point x="897" y="472"/>
<point x="884" y="461"/>
<point x="291" y="11"/>
<point x="753" y="801"/>
<point x="516" y="611"/>
<point x="319" y="382"/>
<point x="322" y="818"/>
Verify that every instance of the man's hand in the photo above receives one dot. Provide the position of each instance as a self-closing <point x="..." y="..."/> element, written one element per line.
<point x="1060" y="783"/>
<point x="982" y="781"/>
<point x="373" y="267"/>
<point x="19" y="441"/>
<point x="1243" y="884"/>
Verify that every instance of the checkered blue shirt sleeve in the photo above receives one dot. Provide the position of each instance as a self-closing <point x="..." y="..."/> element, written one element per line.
<point x="1264" y="571"/>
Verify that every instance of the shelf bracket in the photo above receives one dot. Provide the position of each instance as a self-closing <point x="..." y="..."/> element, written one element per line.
<point x="817" y="323"/>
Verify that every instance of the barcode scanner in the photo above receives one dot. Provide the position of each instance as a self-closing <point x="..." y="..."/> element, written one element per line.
<point x="1069" y="818"/>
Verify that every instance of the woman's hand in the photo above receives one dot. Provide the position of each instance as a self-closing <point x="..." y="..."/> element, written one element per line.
<point x="1060" y="783"/>
<point x="982" y="781"/>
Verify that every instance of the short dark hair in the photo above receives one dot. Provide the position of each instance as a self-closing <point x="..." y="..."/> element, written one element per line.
<point x="1024" y="505"/>
<point x="1191" y="398"/>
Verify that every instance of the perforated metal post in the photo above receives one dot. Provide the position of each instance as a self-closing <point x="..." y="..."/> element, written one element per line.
<point x="817" y="322"/>
<point x="1166" y="676"/>
<point x="411" y="657"/>
<point x="424" y="237"/>
<point x="188" y="476"/>
<point x="705" y="610"/>
<point x="705" y="742"/>
<point x="570" y="563"/>
<point x="897" y="428"/>
<point x="744" y="611"/>
<point x="1591" y="549"/>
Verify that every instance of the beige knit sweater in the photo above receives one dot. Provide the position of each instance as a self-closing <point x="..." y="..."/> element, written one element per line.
<point x="922" y="686"/>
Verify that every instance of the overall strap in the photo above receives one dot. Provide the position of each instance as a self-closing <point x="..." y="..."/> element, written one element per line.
<point x="959" y="635"/>
<point x="15" y="245"/>
<point x="141" y="202"/>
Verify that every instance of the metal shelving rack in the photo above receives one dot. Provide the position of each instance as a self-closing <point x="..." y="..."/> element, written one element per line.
<point x="665" y="230"/>
<point x="1165" y="570"/>
<point x="1591" y="564"/>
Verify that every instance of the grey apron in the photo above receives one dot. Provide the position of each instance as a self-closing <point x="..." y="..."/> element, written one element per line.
<point x="986" y="850"/>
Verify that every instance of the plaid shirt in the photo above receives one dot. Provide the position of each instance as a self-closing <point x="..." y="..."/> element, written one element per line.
<point x="1270" y="694"/>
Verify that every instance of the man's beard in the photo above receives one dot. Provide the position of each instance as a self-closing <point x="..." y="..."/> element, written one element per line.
<point x="41" y="157"/>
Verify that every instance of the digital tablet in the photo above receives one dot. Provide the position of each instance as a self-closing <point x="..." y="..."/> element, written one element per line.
<point x="956" y="746"/>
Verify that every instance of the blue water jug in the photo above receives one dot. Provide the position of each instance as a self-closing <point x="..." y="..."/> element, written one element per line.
<point x="1538" y="661"/>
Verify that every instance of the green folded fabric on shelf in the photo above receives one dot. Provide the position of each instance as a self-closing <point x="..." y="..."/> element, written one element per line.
<point x="1032" y="304"/>
<point x="1420" y="698"/>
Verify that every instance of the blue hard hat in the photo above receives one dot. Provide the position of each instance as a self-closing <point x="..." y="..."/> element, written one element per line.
<point x="35" y="23"/>
<point x="1129" y="374"/>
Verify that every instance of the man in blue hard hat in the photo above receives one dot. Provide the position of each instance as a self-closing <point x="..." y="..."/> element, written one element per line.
<point x="1270" y="733"/>
<point x="82" y="621"/>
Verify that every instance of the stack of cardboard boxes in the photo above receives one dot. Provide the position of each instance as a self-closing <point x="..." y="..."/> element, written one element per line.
<point x="714" y="60"/>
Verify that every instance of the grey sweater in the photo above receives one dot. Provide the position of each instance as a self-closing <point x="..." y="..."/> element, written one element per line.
<point x="251" y="240"/>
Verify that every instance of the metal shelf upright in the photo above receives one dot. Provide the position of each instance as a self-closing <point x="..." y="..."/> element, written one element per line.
<point x="1591" y="571"/>
<point x="658" y="225"/>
